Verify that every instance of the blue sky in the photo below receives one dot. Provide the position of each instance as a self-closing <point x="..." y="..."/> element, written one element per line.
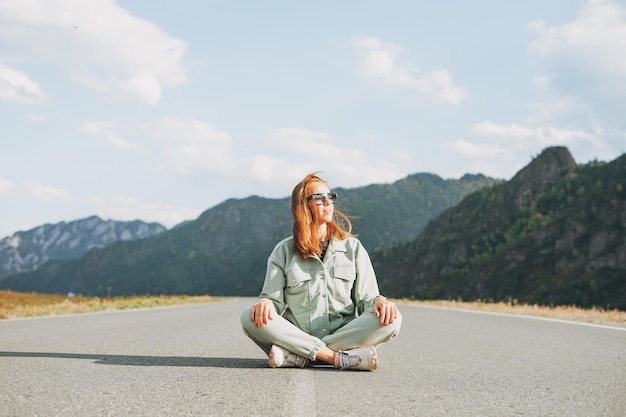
<point x="160" y="110"/>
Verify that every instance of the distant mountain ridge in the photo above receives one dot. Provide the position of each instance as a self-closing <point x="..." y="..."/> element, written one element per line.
<point x="25" y="251"/>
<point x="224" y="251"/>
<point x="555" y="234"/>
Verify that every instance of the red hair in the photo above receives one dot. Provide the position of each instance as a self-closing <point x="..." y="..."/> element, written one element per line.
<point x="305" y="228"/>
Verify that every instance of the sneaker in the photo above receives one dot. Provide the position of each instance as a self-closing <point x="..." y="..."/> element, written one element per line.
<point x="281" y="358"/>
<point x="363" y="359"/>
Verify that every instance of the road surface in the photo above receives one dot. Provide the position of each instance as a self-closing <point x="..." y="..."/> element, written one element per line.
<point x="195" y="361"/>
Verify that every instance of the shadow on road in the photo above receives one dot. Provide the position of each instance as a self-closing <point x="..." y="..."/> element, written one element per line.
<point x="132" y="360"/>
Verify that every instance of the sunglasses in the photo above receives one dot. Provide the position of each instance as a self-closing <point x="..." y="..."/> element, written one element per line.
<point x="320" y="198"/>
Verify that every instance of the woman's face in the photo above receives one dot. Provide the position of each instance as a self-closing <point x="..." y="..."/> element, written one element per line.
<point x="324" y="212"/>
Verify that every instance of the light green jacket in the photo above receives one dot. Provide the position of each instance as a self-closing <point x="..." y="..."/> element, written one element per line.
<point x="320" y="297"/>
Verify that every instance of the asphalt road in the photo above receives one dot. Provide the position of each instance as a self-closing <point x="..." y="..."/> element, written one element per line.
<point x="195" y="361"/>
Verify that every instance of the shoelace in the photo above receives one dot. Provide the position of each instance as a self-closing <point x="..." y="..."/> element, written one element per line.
<point x="349" y="361"/>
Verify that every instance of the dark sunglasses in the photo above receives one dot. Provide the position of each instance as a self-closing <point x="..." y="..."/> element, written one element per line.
<point x="320" y="198"/>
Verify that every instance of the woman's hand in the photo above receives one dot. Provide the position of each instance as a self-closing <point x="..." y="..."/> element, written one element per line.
<point x="262" y="311"/>
<point x="386" y="310"/>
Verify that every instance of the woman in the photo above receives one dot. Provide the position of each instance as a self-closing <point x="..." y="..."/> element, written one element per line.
<point x="320" y="300"/>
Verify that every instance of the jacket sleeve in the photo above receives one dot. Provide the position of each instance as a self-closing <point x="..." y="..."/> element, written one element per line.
<point x="366" y="285"/>
<point x="274" y="285"/>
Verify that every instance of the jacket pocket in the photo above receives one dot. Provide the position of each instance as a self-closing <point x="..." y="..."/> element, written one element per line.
<point x="297" y="282"/>
<point x="345" y="272"/>
<point x="298" y="296"/>
<point x="344" y="276"/>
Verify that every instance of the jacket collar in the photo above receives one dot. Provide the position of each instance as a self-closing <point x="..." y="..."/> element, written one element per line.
<point x="337" y="245"/>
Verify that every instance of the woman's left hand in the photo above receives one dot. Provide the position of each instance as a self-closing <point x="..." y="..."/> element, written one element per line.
<point x="386" y="310"/>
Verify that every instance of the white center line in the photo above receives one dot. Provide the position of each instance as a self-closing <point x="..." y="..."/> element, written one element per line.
<point x="300" y="402"/>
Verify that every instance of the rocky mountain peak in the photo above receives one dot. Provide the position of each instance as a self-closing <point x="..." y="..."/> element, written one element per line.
<point x="25" y="251"/>
<point x="541" y="174"/>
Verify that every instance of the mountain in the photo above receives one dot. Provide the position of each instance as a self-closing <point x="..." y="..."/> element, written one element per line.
<point x="555" y="234"/>
<point x="383" y="215"/>
<point x="26" y="251"/>
<point x="224" y="251"/>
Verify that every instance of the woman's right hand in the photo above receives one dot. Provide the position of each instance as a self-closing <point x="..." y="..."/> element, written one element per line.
<point x="262" y="311"/>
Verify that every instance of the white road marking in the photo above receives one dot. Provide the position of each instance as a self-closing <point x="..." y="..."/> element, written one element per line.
<point x="523" y="316"/>
<point x="300" y="402"/>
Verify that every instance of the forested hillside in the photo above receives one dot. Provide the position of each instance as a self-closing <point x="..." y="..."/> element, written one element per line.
<point x="554" y="234"/>
<point x="224" y="251"/>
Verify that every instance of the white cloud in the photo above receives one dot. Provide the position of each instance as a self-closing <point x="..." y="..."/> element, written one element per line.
<point x="520" y="137"/>
<point x="500" y="150"/>
<point x="594" y="42"/>
<point x="349" y="166"/>
<point x="575" y="105"/>
<point x="145" y="87"/>
<point x="381" y="60"/>
<point x="586" y="90"/>
<point x="45" y="192"/>
<point x="104" y="132"/>
<point x="586" y="60"/>
<point x="554" y="107"/>
<point x="190" y="147"/>
<point x="109" y="50"/>
<point x="120" y="207"/>
<point x="17" y="88"/>
<point x="197" y="150"/>
<point x="6" y="186"/>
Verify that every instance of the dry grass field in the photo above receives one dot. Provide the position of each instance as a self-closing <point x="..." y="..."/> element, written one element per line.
<point x="595" y="316"/>
<point x="16" y="304"/>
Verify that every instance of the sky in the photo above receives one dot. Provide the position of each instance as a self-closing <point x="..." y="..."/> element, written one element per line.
<point x="160" y="110"/>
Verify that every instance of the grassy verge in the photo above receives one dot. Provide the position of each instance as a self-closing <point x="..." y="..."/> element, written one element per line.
<point x="17" y="304"/>
<point x="596" y="316"/>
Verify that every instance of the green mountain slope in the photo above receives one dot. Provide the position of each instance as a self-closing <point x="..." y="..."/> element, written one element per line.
<point x="554" y="234"/>
<point x="224" y="251"/>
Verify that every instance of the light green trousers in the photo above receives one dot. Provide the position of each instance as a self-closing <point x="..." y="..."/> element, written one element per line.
<point x="364" y="330"/>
